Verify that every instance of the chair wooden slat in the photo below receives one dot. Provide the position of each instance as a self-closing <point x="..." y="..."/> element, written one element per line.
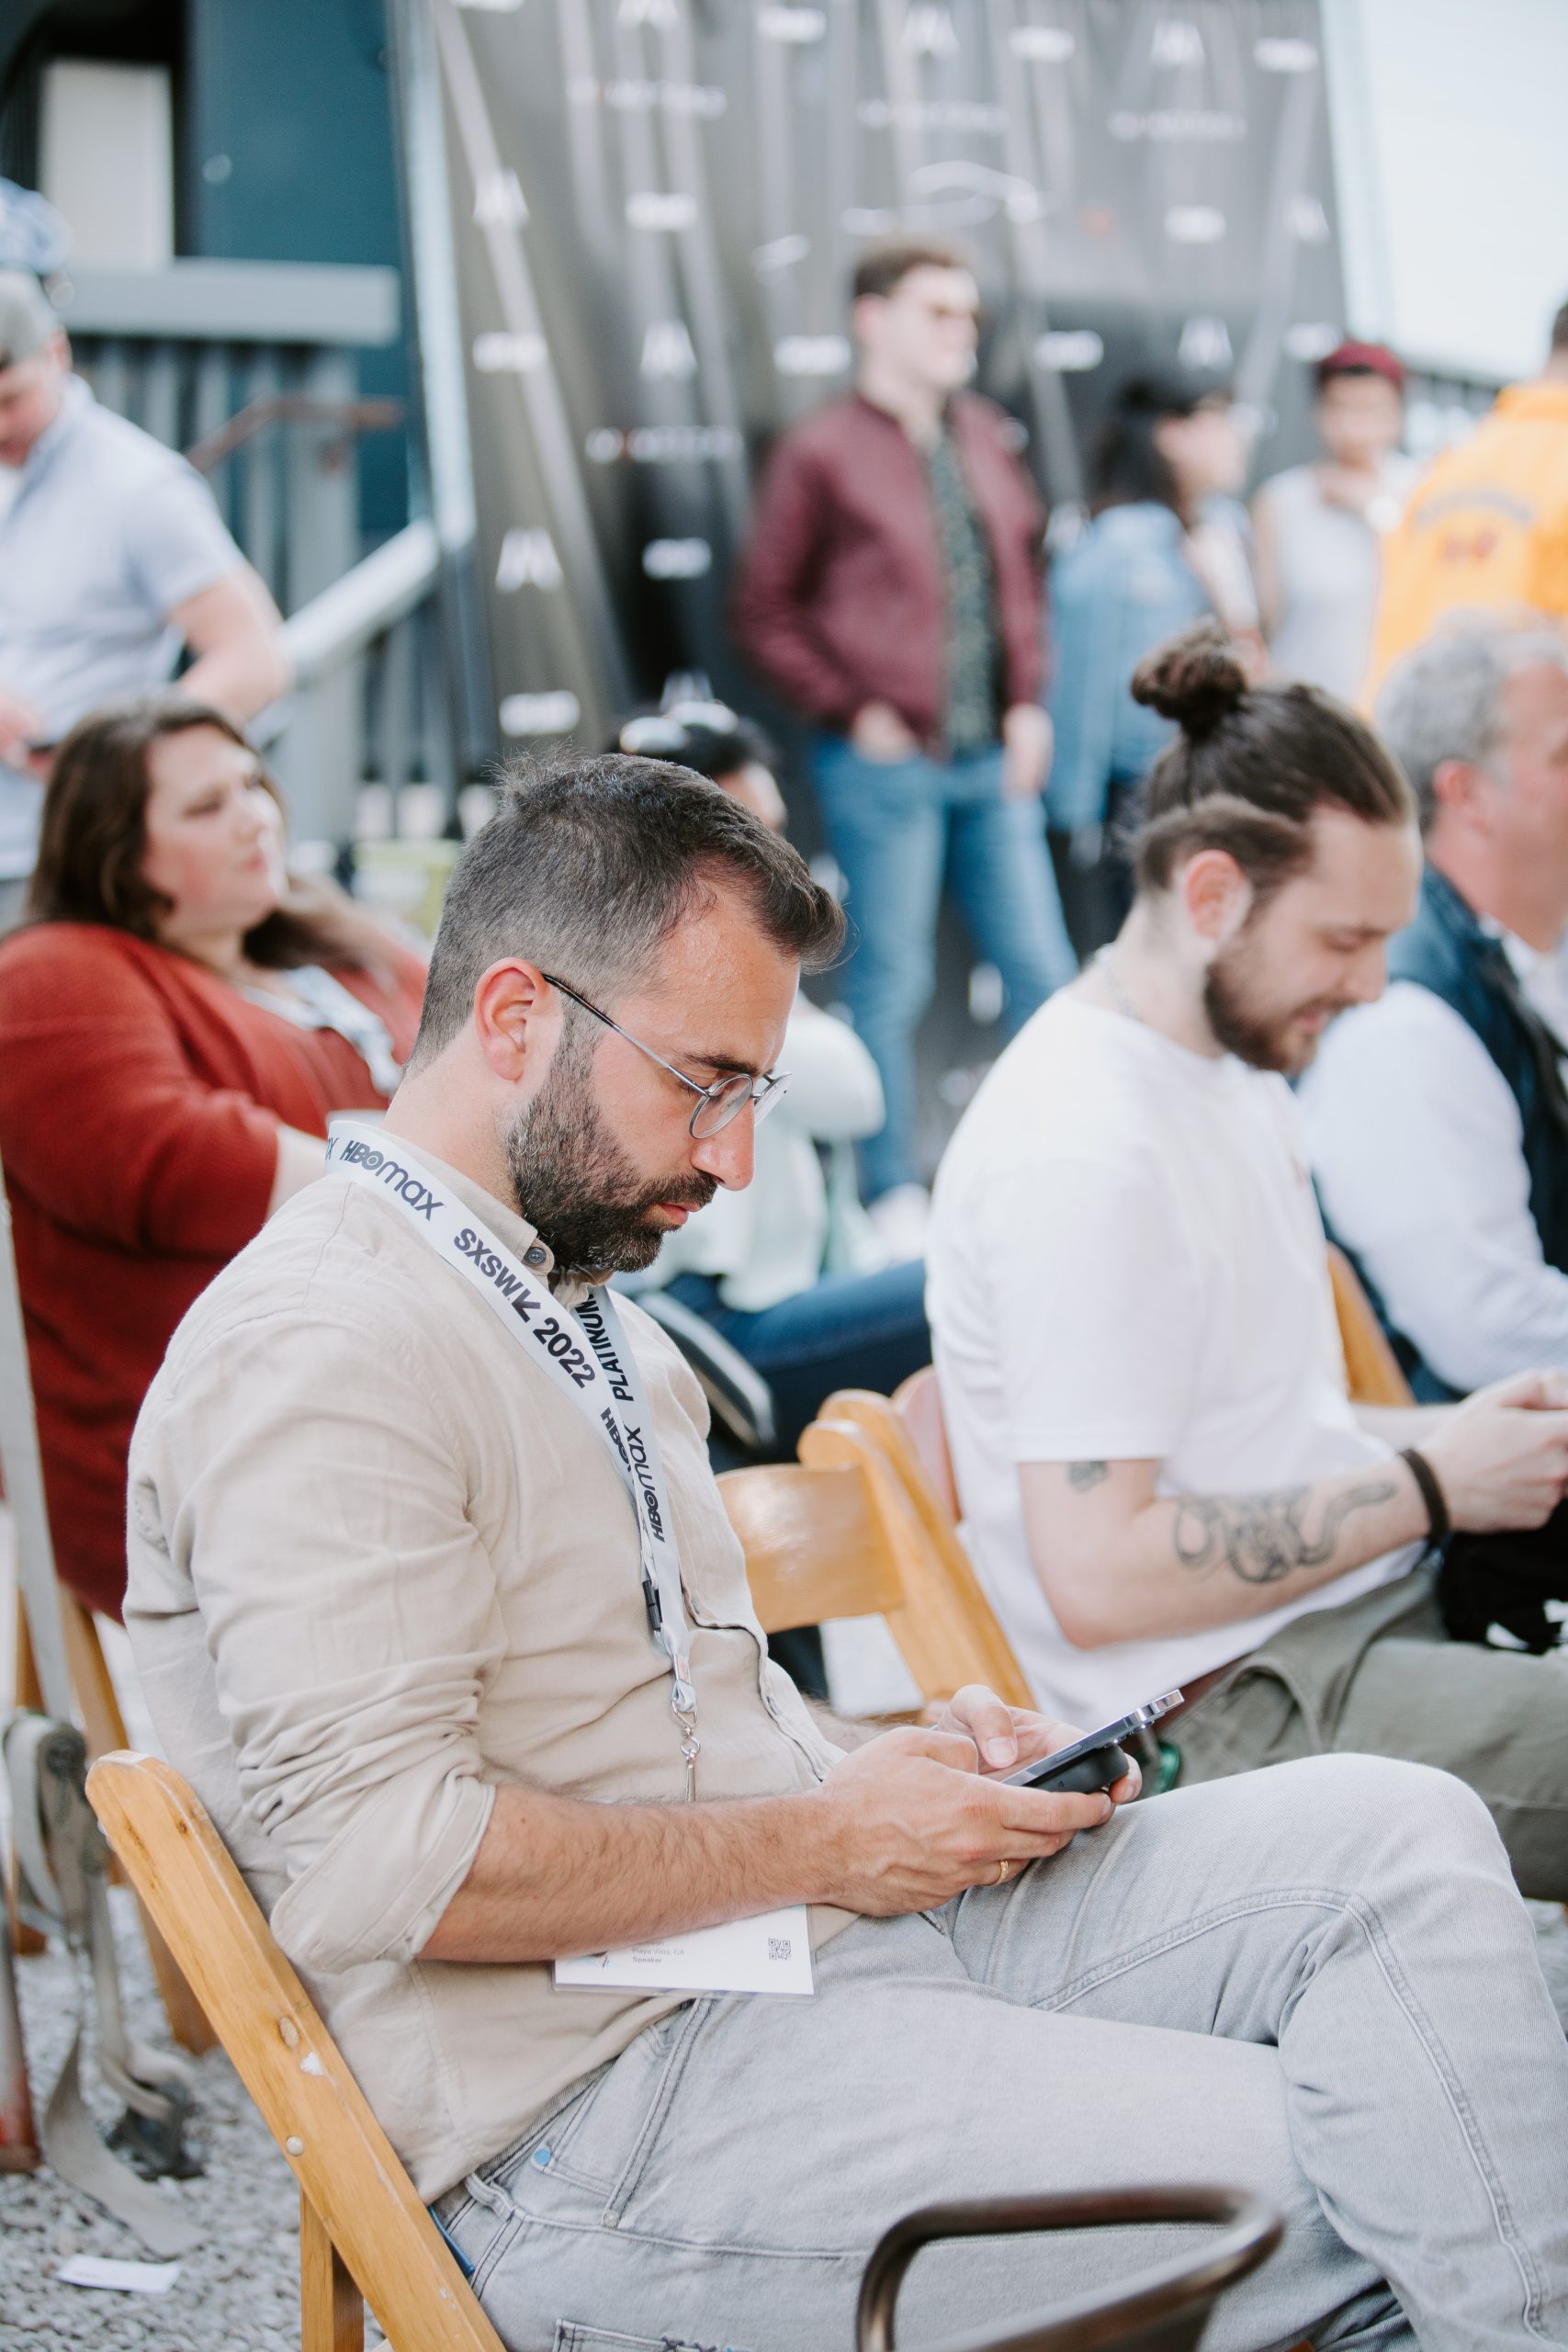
<point x="815" y="1545"/>
<point x="346" y="2168"/>
<point x="947" y="1623"/>
<point x="1372" y="1375"/>
<point x="332" y="2309"/>
<point x="103" y="1726"/>
<point x="918" y="1403"/>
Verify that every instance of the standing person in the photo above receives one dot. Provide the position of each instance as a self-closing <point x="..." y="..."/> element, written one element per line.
<point x="1167" y="546"/>
<point x="1162" y="1479"/>
<point x="892" y="594"/>
<point x="112" y="556"/>
<point x="1319" y="529"/>
<point x="390" y="1585"/>
<point x="177" y="1022"/>
<point x="1487" y="523"/>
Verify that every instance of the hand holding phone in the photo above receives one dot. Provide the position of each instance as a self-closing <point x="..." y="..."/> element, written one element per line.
<point x="1097" y="1760"/>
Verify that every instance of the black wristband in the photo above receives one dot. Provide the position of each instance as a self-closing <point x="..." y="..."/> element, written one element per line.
<point x="1438" y="1521"/>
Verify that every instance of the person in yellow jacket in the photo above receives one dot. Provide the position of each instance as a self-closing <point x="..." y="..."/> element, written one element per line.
<point x="1488" y="525"/>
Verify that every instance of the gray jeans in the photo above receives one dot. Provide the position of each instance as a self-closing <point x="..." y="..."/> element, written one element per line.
<point x="1380" y="1677"/>
<point x="1317" y="1982"/>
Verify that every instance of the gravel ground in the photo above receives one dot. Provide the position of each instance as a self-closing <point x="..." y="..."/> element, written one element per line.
<point x="238" y="2292"/>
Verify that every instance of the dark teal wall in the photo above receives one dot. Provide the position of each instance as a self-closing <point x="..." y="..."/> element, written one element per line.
<point x="287" y="155"/>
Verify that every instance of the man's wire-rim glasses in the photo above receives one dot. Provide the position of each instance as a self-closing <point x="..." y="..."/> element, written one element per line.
<point x="718" y="1103"/>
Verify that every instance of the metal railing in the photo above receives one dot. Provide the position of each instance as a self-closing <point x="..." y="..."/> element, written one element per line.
<point x="251" y="369"/>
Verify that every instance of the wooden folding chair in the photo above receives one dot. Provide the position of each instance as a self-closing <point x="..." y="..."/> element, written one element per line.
<point x="918" y="1403"/>
<point x="1372" y="1375"/>
<point x="104" y="1728"/>
<point x="364" y="2234"/>
<point x="365" y="2237"/>
<point x="947" y="1616"/>
<point x="836" y="1534"/>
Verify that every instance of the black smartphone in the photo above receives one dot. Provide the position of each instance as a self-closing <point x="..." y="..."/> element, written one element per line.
<point x="1097" y="1760"/>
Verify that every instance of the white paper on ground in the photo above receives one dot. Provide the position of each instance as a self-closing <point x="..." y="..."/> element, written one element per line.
<point x="129" y="2277"/>
<point x="769" y="1954"/>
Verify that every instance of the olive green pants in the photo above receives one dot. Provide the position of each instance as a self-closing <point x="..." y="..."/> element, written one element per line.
<point x="1379" y="1676"/>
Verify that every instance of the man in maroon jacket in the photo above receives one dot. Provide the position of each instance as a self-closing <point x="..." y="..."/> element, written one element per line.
<point x="892" y="593"/>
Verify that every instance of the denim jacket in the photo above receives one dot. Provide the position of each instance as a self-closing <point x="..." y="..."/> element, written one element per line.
<point x="1124" y="587"/>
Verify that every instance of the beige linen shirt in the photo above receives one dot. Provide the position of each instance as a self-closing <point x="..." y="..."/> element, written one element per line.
<point x="379" y="1564"/>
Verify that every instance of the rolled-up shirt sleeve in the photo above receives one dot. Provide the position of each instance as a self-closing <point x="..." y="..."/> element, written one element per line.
<point x="351" y="1614"/>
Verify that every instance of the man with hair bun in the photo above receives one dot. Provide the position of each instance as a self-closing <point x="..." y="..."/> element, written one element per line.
<point x="1163" y="1479"/>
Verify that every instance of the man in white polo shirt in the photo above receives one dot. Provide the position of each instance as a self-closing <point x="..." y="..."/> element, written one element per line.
<point x="112" y="556"/>
<point x="1162" y="1479"/>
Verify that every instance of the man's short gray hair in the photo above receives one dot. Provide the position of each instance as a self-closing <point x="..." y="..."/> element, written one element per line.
<point x="1443" y="700"/>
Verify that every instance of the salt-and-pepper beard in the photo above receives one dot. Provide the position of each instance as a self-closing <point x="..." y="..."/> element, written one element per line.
<point x="575" y="1185"/>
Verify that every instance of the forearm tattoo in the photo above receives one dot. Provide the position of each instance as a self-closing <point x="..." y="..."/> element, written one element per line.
<point x="1082" y="1475"/>
<point x="1261" y="1538"/>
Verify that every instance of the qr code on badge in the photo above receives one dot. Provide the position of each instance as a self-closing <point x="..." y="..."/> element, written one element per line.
<point x="779" y="1947"/>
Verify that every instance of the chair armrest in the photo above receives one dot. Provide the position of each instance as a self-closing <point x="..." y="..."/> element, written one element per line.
<point x="1250" y="2231"/>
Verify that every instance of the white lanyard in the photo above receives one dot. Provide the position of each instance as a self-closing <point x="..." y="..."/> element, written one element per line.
<point x="315" y="1001"/>
<point x="600" y="1375"/>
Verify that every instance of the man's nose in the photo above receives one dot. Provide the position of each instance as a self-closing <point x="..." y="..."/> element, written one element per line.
<point x="731" y="1156"/>
<point x="1370" y="975"/>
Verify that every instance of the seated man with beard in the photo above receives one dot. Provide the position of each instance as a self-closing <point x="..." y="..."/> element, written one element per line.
<point x="435" y="1600"/>
<point x="1163" y="1479"/>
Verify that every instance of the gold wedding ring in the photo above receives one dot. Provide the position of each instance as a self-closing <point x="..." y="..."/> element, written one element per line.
<point x="1004" y="1871"/>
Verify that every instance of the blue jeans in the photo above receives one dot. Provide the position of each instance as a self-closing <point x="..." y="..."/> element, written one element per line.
<point x="1316" y="1982"/>
<point x="894" y="826"/>
<point x="846" y="1332"/>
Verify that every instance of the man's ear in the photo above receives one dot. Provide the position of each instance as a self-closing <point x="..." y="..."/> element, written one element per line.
<point x="516" y="1017"/>
<point x="1462" y="792"/>
<point x="865" y="312"/>
<point x="1216" y="895"/>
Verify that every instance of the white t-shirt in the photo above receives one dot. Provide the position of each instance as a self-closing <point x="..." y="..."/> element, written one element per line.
<point x="1126" y="1264"/>
<point x="1328" y="561"/>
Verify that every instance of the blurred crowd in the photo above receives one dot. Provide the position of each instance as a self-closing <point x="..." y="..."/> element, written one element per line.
<point x="180" y="1015"/>
<point x="1196" y="786"/>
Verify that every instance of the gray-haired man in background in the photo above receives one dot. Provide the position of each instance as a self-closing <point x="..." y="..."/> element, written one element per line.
<point x="1437" y="1118"/>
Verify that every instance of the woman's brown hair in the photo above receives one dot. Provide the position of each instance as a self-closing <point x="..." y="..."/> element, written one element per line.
<point x="93" y="843"/>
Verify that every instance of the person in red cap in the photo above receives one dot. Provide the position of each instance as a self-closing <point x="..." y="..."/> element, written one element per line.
<point x="1320" y="528"/>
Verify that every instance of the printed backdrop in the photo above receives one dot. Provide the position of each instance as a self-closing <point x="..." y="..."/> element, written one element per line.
<point x="656" y="204"/>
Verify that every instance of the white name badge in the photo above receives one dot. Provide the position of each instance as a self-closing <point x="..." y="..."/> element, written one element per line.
<point x="770" y="1954"/>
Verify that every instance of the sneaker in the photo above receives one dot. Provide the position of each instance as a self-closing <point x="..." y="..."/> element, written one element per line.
<point x="898" y="1218"/>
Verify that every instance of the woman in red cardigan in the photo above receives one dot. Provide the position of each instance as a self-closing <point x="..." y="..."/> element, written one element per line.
<point x="178" y="1021"/>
